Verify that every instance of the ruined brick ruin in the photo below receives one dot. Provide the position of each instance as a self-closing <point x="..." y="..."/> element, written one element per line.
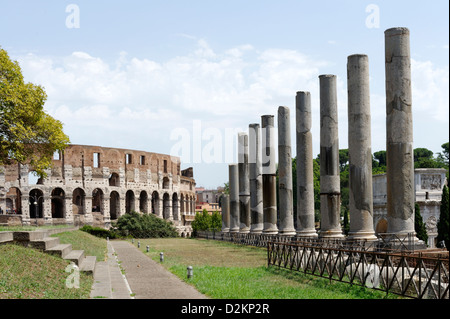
<point x="96" y="185"/>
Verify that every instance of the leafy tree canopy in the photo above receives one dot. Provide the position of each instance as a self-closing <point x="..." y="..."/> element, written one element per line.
<point x="28" y="135"/>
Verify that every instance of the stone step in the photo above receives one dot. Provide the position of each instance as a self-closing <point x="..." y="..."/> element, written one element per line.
<point x="88" y="264"/>
<point x="22" y="236"/>
<point x="60" y="250"/>
<point x="6" y="236"/>
<point x="45" y="243"/>
<point x="75" y="256"/>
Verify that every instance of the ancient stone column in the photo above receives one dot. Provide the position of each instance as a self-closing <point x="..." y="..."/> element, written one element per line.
<point x="330" y="194"/>
<point x="285" y="173"/>
<point x="234" y="197"/>
<point x="305" y="172"/>
<point x="359" y="149"/>
<point x="399" y="133"/>
<point x="225" y="203"/>
<point x="244" y="183"/>
<point x="269" y="175"/>
<point x="254" y="163"/>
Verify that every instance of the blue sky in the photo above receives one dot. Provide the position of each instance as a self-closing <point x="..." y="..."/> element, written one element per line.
<point x="150" y="75"/>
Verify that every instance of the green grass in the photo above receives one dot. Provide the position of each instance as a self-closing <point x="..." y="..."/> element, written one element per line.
<point x="229" y="271"/>
<point x="80" y="240"/>
<point x="28" y="273"/>
<point x="31" y="228"/>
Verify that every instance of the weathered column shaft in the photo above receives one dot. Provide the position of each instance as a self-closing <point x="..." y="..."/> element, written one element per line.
<point x="359" y="149"/>
<point x="225" y="203"/>
<point x="244" y="183"/>
<point x="256" y="198"/>
<point x="269" y="175"/>
<point x="399" y="132"/>
<point x="285" y="172"/>
<point x="305" y="171"/>
<point x="234" y="197"/>
<point x="330" y="194"/>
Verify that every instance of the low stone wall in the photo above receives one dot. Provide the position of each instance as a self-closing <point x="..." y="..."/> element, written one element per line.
<point x="10" y="220"/>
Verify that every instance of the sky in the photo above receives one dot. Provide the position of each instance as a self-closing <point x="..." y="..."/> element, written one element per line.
<point x="184" y="77"/>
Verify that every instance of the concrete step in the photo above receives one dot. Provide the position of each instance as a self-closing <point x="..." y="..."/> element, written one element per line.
<point x="75" y="256"/>
<point x="6" y="236"/>
<point x="45" y="243"/>
<point x="24" y="236"/>
<point x="60" y="250"/>
<point x="88" y="264"/>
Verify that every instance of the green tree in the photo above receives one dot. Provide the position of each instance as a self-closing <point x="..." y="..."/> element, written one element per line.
<point x="380" y="156"/>
<point x="443" y="224"/>
<point x="27" y="134"/>
<point x="216" y="221"/>
<point x="202" y="221"/>
<point x="419" y="226"/>
<point x="444" y="156"/>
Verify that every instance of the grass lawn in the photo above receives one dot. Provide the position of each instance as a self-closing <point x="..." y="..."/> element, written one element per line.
<point x="80" y="240"/>
<point x="228" y="271"/>
<point x="28" y="273"/>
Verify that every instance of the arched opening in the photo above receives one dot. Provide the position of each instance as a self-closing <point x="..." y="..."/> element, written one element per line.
<point x="114" y="205"/>
<point x="182" y="209"/>
<point x="129" y="201"/>
<point x="14" y="201"/>
<point x="166" y="206"/>
<point x="155" y="203"/>
<point x="382" y="226"/>
<point x="78" y="198"/>
<point x="58" y="197"/>
<point x="97" y="200"/>
<point x="36" y="197"/>
<point x="114" y="179"/>
<point x="143" y="202"/>
<point x="175" y="206"/>
<point x="34" y="179"/>
<point x="165" y="183"/>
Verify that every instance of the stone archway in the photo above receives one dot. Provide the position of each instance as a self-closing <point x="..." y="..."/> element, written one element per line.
<point x="382" y="226"/>
<point x="155" y="203"/>
<point x="114" y="205"/>
<point x="143" y="202"/>
<point x="36" y="198"/>
<point x="58" y="208"/>
<point x="129" y="201"/>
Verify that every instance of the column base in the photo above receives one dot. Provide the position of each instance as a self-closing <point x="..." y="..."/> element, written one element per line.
<point x="368" y="236"/>
<point x="331" y="234"/>
<point x="307" y="234"/>
<point x="287" y="232"/>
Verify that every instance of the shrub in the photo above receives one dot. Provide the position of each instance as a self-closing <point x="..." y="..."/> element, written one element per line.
<point x="99" y="232"/>
<point x="145" y="226"/>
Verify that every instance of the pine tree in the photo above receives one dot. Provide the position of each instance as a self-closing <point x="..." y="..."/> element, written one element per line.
<point x="419" y="226"/>
<point x="443" y="223"/>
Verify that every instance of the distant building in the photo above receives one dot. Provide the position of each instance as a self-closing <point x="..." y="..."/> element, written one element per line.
<point x="429" y="183"/>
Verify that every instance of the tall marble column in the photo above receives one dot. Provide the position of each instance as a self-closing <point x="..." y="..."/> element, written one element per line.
<point x="269" y="175"/>
<point x="399" y="133"/>
<point x="330" y="193"/>
<point x="254" y="163"/>
<point x="244" y="183"/>
<point x="234" y="197"/>
<point x="285" y="173"/>
<point x="359" y="149"/>
<point x="305" y="171"/>
<point x="225" y="203"/>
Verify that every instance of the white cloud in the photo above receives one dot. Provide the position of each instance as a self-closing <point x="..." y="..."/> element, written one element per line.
<point x="137" y="103"/>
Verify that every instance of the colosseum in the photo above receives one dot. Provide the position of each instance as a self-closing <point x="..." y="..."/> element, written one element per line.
<point x="96" y="185"/>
